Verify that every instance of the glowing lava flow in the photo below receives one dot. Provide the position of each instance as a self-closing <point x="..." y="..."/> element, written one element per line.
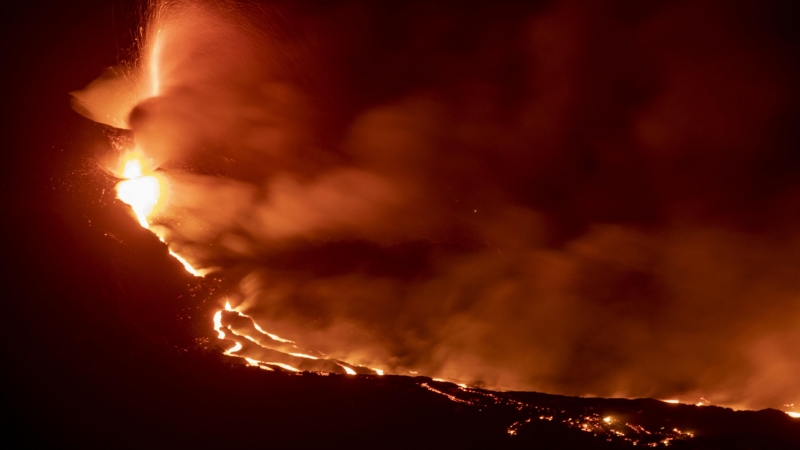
<point x="142" y="188"/>
<point x="261" y="330"/>
<point x="186" y="264"/>
<point x="268" y="351"/>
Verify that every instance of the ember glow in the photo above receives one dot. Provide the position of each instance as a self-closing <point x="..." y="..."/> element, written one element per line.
<point x="464" y="230"/>
<point x="582" y="418"/>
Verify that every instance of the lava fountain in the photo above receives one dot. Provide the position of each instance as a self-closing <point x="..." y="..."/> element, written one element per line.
<point x="140" y="189"/>
<point x="146" y="190"/>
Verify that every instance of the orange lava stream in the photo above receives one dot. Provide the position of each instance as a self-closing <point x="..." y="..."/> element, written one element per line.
<point x="449" y="396"/>
<point x="284" y="353"/>
<point x="186" y="265"/>
<point x="143" y="189"/>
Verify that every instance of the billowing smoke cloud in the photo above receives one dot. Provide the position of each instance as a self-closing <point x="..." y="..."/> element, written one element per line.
<point x="576" y="197"/>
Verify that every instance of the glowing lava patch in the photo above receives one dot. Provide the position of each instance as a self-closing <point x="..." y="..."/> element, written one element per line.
<point x="142" y="192"/>
<point x="144" y="189"/>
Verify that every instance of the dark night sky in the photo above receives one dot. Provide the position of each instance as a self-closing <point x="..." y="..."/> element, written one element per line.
<point x="526" y="190"/>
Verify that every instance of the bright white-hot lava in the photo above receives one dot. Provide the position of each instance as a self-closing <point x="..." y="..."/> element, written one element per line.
<point x="139" y="190"/>
<point x="186" y="264"/>
<point x="144" y="189"/>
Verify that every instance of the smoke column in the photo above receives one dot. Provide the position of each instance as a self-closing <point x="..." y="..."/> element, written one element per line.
<point x="590" y="198"/>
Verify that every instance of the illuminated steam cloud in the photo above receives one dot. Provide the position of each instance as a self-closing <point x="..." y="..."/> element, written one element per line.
<point x="561" y="197"/>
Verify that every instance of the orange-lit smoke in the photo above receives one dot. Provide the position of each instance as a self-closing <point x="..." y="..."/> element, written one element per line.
<point x="564" y="198"/>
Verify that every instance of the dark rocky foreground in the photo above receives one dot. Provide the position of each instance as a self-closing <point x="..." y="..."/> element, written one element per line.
<point x="101" y="352"/>
<point x="200" y="400"/>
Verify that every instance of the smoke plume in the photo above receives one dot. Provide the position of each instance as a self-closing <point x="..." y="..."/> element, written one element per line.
<point x="592" y="198"/>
